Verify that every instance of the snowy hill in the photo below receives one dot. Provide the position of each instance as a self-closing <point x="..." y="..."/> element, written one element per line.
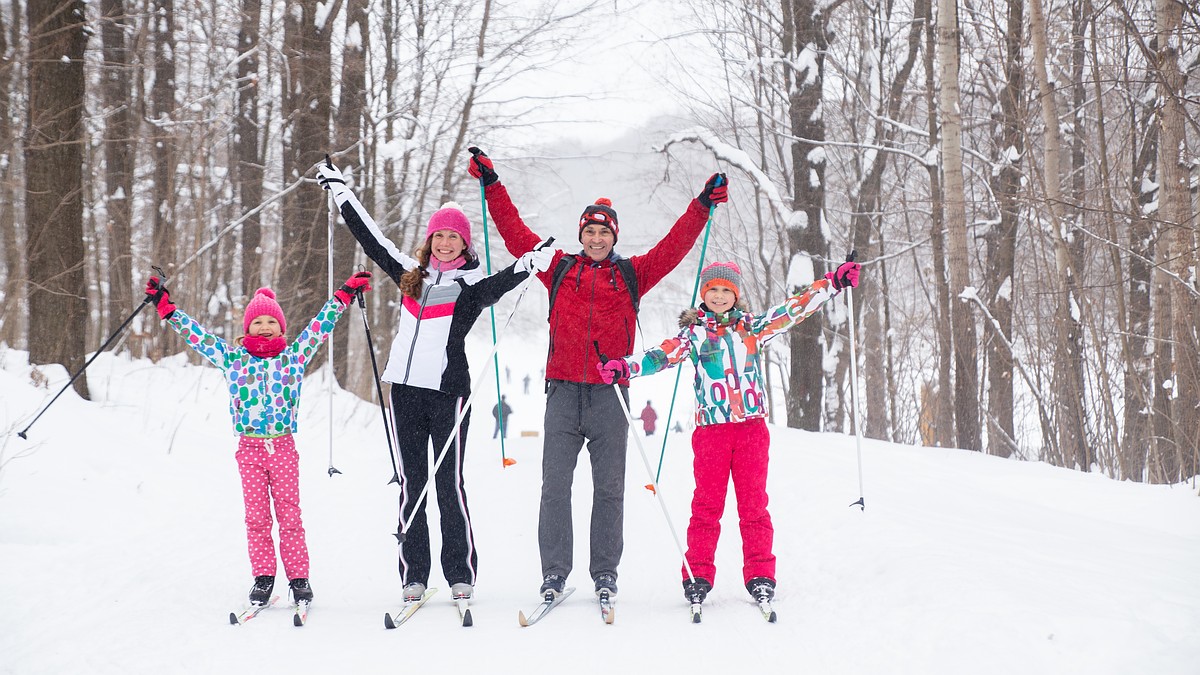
<point x="122" y="550"/>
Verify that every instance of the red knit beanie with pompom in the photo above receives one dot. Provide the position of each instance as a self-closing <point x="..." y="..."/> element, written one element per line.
<point x="600" y="213"/>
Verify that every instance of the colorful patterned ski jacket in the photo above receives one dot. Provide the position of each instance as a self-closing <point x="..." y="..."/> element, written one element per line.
<point x="429" y="350"/>
<point x="593" y="304"/>
<point x="726" y="351"/>
<point x="263" y="392"/>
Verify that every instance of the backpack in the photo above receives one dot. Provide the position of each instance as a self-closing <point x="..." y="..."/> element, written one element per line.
<point x="624" y="265"/>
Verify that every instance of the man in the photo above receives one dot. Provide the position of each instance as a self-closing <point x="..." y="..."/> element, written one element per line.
<point x="592" y="318"/>
<point x="500" y="413"/>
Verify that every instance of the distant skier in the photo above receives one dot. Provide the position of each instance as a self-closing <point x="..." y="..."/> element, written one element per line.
<point x="500" y="413"/>
<point x="724" y="342"/>
<point x="443" y="291"/>
<point x="648" y="418"/>
<point x="264" y="373"/>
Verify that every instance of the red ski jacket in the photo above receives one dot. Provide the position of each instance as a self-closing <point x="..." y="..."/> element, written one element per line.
<point x="593" y="305"/>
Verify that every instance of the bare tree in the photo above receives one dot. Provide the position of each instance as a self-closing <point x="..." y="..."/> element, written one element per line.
<point x="119" y="152"/>
<point x="966" y="373"/>
<point x="54" y="176"/>
<point x="12" y="329"/>
<point x="248" y="161"/>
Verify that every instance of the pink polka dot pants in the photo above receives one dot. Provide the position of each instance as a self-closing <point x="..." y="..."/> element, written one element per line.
<point x="270" y="469"/>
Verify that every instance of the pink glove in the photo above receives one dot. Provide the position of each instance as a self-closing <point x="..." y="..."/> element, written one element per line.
<point x="613" y="370"/>
<point x="845" y="275"/>
<point x="360" y="282"/>
<point x="156" y="291"/>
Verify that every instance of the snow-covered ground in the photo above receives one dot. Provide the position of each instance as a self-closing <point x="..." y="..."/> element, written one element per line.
<point x="122" y="550"/>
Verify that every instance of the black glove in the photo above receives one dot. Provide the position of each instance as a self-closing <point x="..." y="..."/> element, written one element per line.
<point x="481" y="167"/>
<point x="716" y="191"/>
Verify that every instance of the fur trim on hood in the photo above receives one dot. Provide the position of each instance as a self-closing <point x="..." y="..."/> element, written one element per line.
<point x="691" y="315"/>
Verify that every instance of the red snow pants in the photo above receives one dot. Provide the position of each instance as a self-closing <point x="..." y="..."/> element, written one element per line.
<point x="270" y="469"/>
<point x="737" y="449"/>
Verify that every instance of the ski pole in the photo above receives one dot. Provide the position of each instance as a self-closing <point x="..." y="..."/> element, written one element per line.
<point x="654" y="484"/>
<point x="147" y="300"/>
<point x="854" y="393"/>
<point x="329" y="280"/>
<point x="387" y="430"/>
<point x="462" y="413"/>
<point x="487" y="256"/>
<point x="678" y="373"/>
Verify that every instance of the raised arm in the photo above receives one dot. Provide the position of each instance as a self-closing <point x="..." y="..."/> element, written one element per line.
<point x="671" y="250"/>
<point x="378" y="248"/>
<point x="517" y="236"/>
<point x="320" y="327"/>
<point x="211" y="347"/>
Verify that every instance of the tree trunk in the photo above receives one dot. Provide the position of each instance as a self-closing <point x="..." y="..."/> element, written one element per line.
<point x="966" y="373"/>
<point x="940" y="422"/>
<point x="351" y="133"/>
<point x="1068" y="363"/>
<point x="805" y="32"/>
<point x="249" y="163"/>
<point x="301" y="288"/>
<point x="164" y="143"/>
<point x="1177" y="217"/>
<point x="12" y="312"/>
<point x="1002" y="239"/>
<point x="119" y="152"/>
<point x="58" y="313"/>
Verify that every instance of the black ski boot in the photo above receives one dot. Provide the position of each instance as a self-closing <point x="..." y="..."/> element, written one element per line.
<point x="696" y="591"/>
<point x="761" y="588"/>
<point x="553" y="583"/>
<point x="301" y="591"/>
<point x="606" y="581"/>
<point x="260" y="592"/>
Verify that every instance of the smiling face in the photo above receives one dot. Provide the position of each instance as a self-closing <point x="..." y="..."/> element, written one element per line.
<point x="447" y="245"/>
<point x="597" y="241"/>
<point x="720" y="299"/>
<point x="265" y="326"/>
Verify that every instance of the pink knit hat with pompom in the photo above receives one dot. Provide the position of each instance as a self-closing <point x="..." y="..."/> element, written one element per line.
<point x="450" y="217"/>
<point x="263" y="304"/>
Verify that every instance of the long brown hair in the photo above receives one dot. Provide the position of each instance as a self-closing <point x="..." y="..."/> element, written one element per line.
<point x="411" y="281"/>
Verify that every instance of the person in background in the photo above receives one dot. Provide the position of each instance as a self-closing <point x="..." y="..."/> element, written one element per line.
<point x="500" y="413"/>
<point x="724" y="342"/>
<point x="648" y="418"/>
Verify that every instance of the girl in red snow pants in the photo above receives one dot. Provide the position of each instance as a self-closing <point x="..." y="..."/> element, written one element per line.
<point x="270" y="469"/>
<point x="737" y="449"/>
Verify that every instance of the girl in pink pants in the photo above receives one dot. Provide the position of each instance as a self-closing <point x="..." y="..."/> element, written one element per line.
<point x="725" y="344"/>
<point x="263" y="372"/>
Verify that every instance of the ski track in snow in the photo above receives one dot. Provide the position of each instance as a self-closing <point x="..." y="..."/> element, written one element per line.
<point x="122" y="550"/>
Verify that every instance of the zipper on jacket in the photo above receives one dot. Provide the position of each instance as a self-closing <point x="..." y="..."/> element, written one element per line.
<point x="417" y="329"/>
<point x="588" y="334"/>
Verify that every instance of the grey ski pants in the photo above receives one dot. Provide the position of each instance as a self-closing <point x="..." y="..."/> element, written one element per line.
<point x="574" y="413"/>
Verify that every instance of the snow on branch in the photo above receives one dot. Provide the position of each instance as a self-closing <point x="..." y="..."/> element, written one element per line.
<point x="737" y="158"/>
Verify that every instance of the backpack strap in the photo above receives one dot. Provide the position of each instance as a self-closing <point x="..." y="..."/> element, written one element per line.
<point x="624" y="266"/>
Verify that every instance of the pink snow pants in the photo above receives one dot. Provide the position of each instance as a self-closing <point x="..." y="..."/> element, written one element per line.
<point x="270" y="469"/>
<point x="739" y="449"/>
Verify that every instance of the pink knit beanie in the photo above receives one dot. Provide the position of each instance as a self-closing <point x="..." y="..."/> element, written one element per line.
<point x="263" y="304"/>
<point x="450" y="217"/>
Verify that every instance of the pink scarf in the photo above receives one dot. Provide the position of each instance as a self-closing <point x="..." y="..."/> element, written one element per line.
<point x="439" y="266"/>
<point x="264" y="348"/>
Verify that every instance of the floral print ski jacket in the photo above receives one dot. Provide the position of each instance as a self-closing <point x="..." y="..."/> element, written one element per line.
<point x="263" y="392"/>
<point x="726" y="351"/>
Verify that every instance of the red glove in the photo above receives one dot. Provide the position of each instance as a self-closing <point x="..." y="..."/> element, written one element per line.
<point x="845" y="275"/>
<point x="613" y="370"/>
<point x="481" y="167"/>
<point x="716" y="191"/>
<point x="360" y="282"/>
<point x="159" y="294"/>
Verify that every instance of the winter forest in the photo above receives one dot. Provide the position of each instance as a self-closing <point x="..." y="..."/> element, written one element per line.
<point x="1019" y="179"/>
